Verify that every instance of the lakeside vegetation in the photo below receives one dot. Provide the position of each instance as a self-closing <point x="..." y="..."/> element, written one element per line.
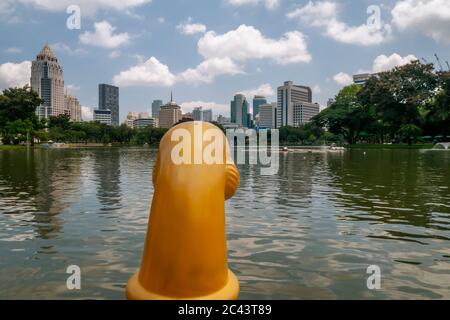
<point x="409" y="105"/>
<point x="19" y="124"/>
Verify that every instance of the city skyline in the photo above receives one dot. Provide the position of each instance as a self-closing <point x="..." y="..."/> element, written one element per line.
<point x="292" y="43"/>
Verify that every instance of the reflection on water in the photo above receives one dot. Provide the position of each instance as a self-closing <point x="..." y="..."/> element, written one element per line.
<point x="309" y="232"/>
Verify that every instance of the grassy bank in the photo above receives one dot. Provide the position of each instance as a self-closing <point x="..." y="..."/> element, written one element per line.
<point x="10" y="147"/>
<point x="391" y="146"/>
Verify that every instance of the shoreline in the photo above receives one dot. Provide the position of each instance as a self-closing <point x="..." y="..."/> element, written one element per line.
<point x="347" y="147"/>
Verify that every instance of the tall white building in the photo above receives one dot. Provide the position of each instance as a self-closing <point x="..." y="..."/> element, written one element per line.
<point x="267" y="116"/>
<point x="72" y="107"/>
<point x="48" y="81"/>
<point x="304" y="112"/>
<point x="103" y="116"/>
<point x="288" y="95"/>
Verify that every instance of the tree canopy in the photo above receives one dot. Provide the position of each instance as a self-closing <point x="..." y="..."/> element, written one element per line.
<point x="400" y="104"/>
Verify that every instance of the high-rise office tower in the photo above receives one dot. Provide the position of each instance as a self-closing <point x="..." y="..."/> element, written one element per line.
<point x="170" y="114"/>
<point x="72" y="107"/>
<point x="304" y="112"/>
<point x="48" y="81"/>
<point x="267" y="116"/>
<point x="239" y="110"/>
<point x="288" y="95"/>
<point x="197" y="114"/>
<point x="257" y="102"/>
<point x="103" y="116"/>
<point x="156" y="107"/>
<point x="108" y="99"/>
<point x="208" y="115"/>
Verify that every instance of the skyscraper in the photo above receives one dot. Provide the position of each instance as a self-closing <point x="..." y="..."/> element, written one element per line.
<point x="208" y="115"/>
<point x="72" y="107"/>
<point x="257" y="102"/>
<point x="170" y="114"/>
<point x="156" y="107"/>
<point x="288" y="95"/>
<point x="108" y="99"/>
<point x="103" y="116"/>
<point x="304" y="112"/>
<point x="197" y="114"/>
<point x="48" y="81"/>
<point x="267" y="116"/>
<point x="239" y="110"/>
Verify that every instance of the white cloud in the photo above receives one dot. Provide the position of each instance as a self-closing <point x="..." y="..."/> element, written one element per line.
<point x="269" y="4"/>
<point x="150" y="73"/>
<point x="324" y="14"/>
<point x="430" y="17"/>
<point x="8" y="12"/>
<point x="71" y="88"/>
<point x="380" y="64"/>
<point x="343" y="79"/>
<point x="6" y="8"/>
<point x="191" y="28"/>
<point x="161" y="20"/>
<point x="385" y="63"/>
<point x="12" y="50"/>
<point x="217" y="108"/>
<point x="88" y="7"/>
<point x="104" y="36"/>
<point x="15" y="74"/>
<point x="316" y="89"/>
<point x="246" y="42"/>
<point x="87" y="113"/>
<point x="209" y="69"/>
<point x="139" y="57"/>
<point x="265" y="90"/>
<point x="223" y="54"/>
<point x="115" y="54"/>
<point x="62" y="47"/>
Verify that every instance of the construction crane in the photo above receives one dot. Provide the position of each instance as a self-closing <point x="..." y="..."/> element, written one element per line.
<point x="439" y="62"/>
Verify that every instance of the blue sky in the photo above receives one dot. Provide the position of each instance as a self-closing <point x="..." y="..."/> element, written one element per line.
<point x="208" y="50"/>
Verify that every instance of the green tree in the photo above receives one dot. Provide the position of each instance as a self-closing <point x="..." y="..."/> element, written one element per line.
<point x="18" y="104"/>
<point x="439" y="115"/>
<point x="400" y="96"/>
<point x="18" y="131"/>
<point x="346" y="116"/>
<point x="409" y="132"/>
<point x="61" y="121"/>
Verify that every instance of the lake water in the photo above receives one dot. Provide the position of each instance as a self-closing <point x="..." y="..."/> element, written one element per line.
<point x="309" y="232"/>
